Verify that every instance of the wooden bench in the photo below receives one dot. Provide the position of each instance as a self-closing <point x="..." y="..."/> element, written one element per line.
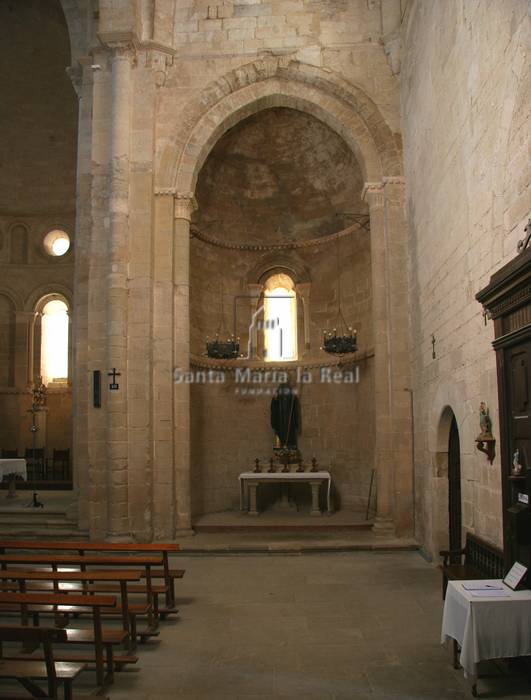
<point x="476" y="560"/>
<point x="54" y="581"/>
<point x="61" y="561"/>
<point x="26" y="671"/>
<point x="164" y="549"/>
<point x="104" y="640"/>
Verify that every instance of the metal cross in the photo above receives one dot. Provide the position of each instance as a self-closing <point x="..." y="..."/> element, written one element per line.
<point x="114" y="386"/>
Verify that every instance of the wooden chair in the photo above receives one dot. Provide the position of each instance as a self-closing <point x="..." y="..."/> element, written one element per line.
<point x="59" y="464"/>
<point x="35" y="463"/>
<point x="27" y="671"/>
<point x="476" y="560"/>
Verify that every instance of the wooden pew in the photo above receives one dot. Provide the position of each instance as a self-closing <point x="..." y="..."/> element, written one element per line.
<point x="164" y="549"/>
<point x="103" y="640"/>
<point x="59" y="561"/>
<point x="26" y="671"/>
<point x="52" y="581"/>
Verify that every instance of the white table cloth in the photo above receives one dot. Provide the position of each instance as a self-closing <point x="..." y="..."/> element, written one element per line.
<point x="486" y="628"/>
<point x="286" y="476"/>
<point x="13" y="466"/>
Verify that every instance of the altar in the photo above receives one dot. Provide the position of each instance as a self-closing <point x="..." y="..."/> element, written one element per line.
<point x="249" y="482"/>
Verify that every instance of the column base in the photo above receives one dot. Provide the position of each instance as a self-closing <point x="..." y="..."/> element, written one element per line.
<point x="184" y="532"/>
<point x="384" y="527"/>
<point x="316" y="513"/>
<point x="119" y="539"/>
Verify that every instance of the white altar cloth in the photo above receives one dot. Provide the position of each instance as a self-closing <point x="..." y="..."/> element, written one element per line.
<point x="13" y="466"/>
<point x="486" y="628"/>
<point x="287" y="477"/>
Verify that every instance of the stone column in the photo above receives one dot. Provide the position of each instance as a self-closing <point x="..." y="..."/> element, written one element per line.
<point x="392" y="459"/>
<point x="162" y="353"/>
<point x="81" y="77"/>
<point x="116" y="321"/>
<point x="23" y="349"/>
<point x="185" y="205"/>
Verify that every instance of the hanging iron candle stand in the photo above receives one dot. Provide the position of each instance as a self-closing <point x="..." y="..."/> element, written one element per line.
<point x="220" y="349"/>
<point x="342" y="339"/>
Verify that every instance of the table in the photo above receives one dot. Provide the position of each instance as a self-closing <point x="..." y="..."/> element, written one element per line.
<point x="314" y="479"/>
<point x="486" y="628"/>
<point x="13" y="466"/>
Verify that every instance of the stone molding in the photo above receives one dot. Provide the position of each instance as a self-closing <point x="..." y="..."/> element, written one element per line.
<point x="164" y="191"/>
<point x="203" y="362"/>
<point x="290" y="245"/>
<point x="375" y="188"/>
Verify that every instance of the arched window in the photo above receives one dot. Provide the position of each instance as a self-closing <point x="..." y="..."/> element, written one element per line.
<point x="54" y="342"/>
<point x="280" y="319"/>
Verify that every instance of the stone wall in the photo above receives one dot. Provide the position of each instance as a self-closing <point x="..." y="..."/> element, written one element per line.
<point x="159" y="88"/>
<point x="38" y="128"/>
<point x="230" y="423"/>
<point x="465" y="113"/>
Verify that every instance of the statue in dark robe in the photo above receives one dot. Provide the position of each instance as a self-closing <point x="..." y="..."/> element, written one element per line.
<point x="285" y="416"/>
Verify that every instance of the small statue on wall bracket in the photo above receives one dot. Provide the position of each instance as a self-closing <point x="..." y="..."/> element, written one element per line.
<point x="485" y="441"/>
<point x="517" y="467"/>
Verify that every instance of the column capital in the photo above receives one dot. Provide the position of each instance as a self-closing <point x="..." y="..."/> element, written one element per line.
<point x="184" y="205"/>
<point x="122" y="44"/>
<point x="373" y="193"/>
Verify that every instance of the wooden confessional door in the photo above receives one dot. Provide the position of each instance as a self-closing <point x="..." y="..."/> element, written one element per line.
<point x="454" y="491"/>
<point x="520" y="401"/>
<point x="518" y="383"/>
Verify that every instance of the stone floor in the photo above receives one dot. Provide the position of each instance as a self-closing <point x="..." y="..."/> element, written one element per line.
<point x="355" y="625"/>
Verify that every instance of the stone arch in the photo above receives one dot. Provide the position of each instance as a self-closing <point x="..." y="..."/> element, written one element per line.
<point x="75" y="23"/>
<point x="286" y="260"/>
<point x="18" y="243"/>
<point x="14" y="298"/>
<point x="47" y="292"/>
<point x="447" y="403"/>
<point x="278" y="83"/>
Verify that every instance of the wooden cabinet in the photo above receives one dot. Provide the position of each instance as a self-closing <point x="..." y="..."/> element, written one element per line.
<point x="507" y="299"/>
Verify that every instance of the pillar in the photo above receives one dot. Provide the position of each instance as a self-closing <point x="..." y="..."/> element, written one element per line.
<point x="81" y="77"/>
<point x="184" y="207"/>
<point x="116" y="277"/>
<point x="393" y="428"/>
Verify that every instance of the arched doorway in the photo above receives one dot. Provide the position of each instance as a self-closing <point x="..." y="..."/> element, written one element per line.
<point x="454" y="490"/>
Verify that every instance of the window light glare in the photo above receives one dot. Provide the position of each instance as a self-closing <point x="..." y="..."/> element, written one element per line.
<point x="280" y="320"/>
<point x="54" y="342"/>
<point x="60" y="246"/>
<point x="56" y="243"/>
